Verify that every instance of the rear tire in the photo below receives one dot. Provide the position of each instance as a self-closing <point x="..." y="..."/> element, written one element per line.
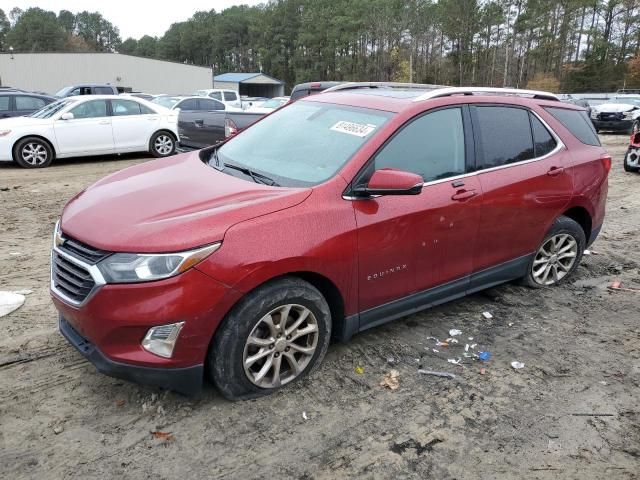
<point x="558" y="256"/>
<point x="162" y="144"/>
<point x="252" y="354"/>
<point x="632" y="160"/>
<point x="32" y="152"/>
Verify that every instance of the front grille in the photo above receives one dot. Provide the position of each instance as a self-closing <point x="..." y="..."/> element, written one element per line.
<point x="70" y="279"/>
<point x="83" y="251"/>
<point x="611" y="116"/>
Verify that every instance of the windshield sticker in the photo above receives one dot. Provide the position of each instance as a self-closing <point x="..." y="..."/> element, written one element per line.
<point x="357" y="129"/>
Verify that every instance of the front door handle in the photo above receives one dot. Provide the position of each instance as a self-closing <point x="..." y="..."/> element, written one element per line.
<point x="104" y="122"/>
<point x="463" y="195"/>
<point x="555" y="171"/>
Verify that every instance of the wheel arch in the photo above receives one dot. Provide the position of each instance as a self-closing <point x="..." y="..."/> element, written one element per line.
<point x="41" y="137"/>
<point x="582" y="217"/>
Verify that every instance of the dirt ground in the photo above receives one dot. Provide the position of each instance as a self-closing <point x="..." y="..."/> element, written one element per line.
<point x="580" y="344"/>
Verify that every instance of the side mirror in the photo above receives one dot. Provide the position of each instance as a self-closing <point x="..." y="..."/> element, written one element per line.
<point x="391" y="182"/>
<point x="66" y="116"/>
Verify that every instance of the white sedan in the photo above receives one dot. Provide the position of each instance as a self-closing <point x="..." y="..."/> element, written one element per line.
<point x="88" y="125"/>
<point x="269" y="106"/>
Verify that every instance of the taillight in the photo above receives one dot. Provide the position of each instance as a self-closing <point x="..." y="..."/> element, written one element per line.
<point x="606" y="161"/>
<point x="230" y="128"/>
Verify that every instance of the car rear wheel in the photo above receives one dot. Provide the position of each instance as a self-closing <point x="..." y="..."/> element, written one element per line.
<point x="33" y="152"/>
<point x="276" y="335"/>
<point x="632" y="160"/>
<point x="558" y="256"/>
<point x="635" y="128"/>
<point x="162" y="144"/>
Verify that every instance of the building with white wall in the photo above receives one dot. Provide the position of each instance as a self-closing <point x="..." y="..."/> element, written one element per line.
<point x="49" y="72"/>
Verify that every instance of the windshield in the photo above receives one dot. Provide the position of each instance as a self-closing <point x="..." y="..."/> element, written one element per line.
<point x="628" y="100"/>
<point x="273" y="103"/>
<point x="49" y="110"/>
<point x="167" y="102"/>
<point x="305" y="143"/>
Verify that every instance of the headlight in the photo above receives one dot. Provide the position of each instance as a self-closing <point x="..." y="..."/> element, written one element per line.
<point x="4" y="133"/>
<point x="594" y="114"/>
<point x="134" y="268"/>
<point x="628" y="115"/>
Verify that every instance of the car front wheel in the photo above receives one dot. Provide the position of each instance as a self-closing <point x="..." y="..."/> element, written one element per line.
<point x="558" y="256"/>
<point x="276" y="335"/>
<point x="162" y="144"/>
<point x="33" y="152"/>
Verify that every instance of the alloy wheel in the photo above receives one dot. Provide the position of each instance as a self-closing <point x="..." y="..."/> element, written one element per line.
<point x="280" y="346"/>
<point x="163" y="144"/>
<point x="554" y="259"/>
<point x="34" y="154"/>
<point x="633" y="157"/>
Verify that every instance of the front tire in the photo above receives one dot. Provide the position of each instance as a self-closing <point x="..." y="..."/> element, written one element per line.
<point x="33" y="152"/>
<point x="275" y="335"/>
<point x="558" y="256"/>
<point x="162" y="144"/>
<point x="632" y="160"/>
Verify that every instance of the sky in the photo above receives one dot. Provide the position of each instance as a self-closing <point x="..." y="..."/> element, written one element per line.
<point x="134" y="18"/>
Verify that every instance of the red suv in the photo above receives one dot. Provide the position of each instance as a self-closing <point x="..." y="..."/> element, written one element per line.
<point x="335" y="214"/>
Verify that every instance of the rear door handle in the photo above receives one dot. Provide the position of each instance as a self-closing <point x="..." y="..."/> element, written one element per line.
<point x="104" y="122"/>
<point x="462" y="195"/>
<point x="555" y="171"/>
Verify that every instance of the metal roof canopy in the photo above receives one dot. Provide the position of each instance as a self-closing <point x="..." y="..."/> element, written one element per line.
<point x="247" y="78"/>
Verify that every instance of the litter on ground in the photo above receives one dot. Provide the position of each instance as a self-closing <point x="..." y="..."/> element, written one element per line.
<point x="437" y="374"/>
<point x="455" y="361"/>
<point x="390" y="380"/>
<point x="487" y="315"/>
<point x="454" y="332"/>
<point x="484" y="356"/>
<point x="517" y="365"/>
<point x="10" y="301"/>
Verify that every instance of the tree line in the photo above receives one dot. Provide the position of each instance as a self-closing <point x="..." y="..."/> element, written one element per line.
<point x="566" y="45"/>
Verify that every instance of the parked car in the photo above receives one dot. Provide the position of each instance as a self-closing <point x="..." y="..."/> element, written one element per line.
<point x="202" y="124"/>
<point x="269" y="106"/>
<point x="228" y="97"/>
<point x="620" y="114"/>
<point x="632" y="157"/>
<point x="88" y="125"/>
<point x="87" y="89"/>
<point x="310" y="88"/>
<point x="248" y="102"/>
<point x="333" y="215"/>
<point x="17" y="103"/>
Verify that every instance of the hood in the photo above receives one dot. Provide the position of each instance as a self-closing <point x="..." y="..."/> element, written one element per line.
<point x="15" y="122"/>
<point x="614" y="107"/>
<point x="169" y="205"/>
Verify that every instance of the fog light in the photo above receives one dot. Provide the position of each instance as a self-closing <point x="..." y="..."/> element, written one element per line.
<point x="162" y="339"/>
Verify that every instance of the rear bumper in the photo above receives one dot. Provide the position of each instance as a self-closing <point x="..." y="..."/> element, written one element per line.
<point x="615" y="125"/>
<point x="187" y="381"/>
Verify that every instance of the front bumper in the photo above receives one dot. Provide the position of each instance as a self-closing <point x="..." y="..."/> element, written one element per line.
<point x="614" y="125"/>
<point x="186" y="380"/>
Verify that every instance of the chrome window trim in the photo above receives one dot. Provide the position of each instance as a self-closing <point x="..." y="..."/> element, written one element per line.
<point x="93" y="270"/>
<point x="559" y="146"/>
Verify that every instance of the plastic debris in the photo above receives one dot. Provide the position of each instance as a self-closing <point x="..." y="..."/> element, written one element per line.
<point x="23" y="292"/>
<point x="483" y="371"/>
<point x="466" y="347"/>
<point x="451" y="340"/>
<point x="487" y="315"/>
<point x="391" y="360"/>
<point x="10" y="301"/>
<point x="442" y="344"/>
<point x="517" y="365"/>
<point x="58" y="429"/>
<point x="390" y="380"/>
<point x="469" y="338"/>
<point x="473" y="345"/>
<point x="359" y="370"/>
<point x="455" y="361"/>
<point x="437" y="374"/>
<point x="586" y="252"/>
<point x="484" y="356"/>
<point x="510" y="324"/>
<point x="616" y="285"/>
<point x="436" y="351"/>
<point x="304" y="415"/>
<point x="162" y="435"/>
<point x="454" y="332"/>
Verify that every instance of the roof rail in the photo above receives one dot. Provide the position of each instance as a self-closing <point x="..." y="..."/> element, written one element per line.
<point x="449" y="91"/>
<point x="403" y="86"/>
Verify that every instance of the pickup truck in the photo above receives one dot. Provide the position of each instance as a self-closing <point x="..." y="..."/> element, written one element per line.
<point x="199" y="129"/>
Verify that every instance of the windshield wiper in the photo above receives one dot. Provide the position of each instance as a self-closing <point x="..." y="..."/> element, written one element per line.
<point x="217" y="163"/>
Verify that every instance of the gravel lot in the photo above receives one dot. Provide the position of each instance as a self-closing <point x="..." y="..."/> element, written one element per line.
<point x="580" y="344"/>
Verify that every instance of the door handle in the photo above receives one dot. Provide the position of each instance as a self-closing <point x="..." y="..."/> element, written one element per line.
<point x="151" y="119"/>
<point x="104" y="122"/>
<point x="199" y="123"/>
<point x="555" y="171"/>
<point x="462" y="195"/>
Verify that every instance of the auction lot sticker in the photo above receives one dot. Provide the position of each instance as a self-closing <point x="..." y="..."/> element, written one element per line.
<point x="357" y="129"/>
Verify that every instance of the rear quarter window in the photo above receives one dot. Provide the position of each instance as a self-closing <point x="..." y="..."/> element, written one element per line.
<point x="578" y="123"/>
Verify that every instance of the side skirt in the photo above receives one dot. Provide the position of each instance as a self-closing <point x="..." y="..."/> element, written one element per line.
<point x="441" y="294"/>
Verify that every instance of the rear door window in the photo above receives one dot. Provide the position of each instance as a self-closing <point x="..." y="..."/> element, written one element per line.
<point x="102" y="90"/>
<point x="230" y="96"/>
<point x="543" y="141"/>
<point x="431" y="146"/>
<point x="209" y="105"/>
<point x="503" y="135"/>
<point x="578" y="123"/>
<point x="29" y="103"/>
<point x="4" y="104"/>
<point x="189" y="104"/>
<point x="122" y="108"/>
<point x="216" y="95"/>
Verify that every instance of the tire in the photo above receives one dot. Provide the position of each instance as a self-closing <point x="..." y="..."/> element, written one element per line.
<point x="162" y="144"/>
<point x="632" y="160"/>
<point x="33" y="152"/>
<point x="564" y="232"/>
<point x="229" y="361"/>
<point x="635" y="127"/>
